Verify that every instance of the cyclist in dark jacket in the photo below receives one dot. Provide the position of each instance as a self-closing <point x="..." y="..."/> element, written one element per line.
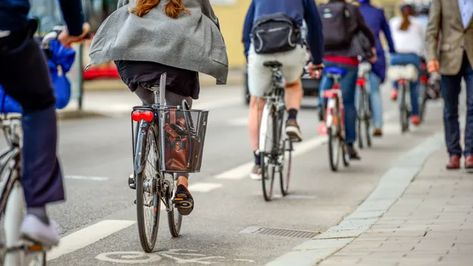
<point x="376" y="21"/>
<point x="346" y="57"/>
<point x="20" y="57"/>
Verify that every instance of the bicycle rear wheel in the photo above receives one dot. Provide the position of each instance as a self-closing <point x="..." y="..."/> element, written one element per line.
<point x="360" y="116"/>
<point x="404" y="110"/>
<point x="174" y="217"/>
<point x="268" y="151"/>
<point x="334" y="147"/>
<point x="148" y="205"/>
<point x="285" y="172"/>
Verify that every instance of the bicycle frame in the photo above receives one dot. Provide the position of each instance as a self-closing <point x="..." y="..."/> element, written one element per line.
<point x="334" y="100"/>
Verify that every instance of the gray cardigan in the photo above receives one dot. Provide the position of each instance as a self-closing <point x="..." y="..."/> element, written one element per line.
<point x="193" y="41"/>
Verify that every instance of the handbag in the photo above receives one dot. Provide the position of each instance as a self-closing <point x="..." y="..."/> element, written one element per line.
<point x="275" y="33"/>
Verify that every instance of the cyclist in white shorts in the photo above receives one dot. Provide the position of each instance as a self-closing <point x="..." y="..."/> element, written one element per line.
<point x="270" y="16"/>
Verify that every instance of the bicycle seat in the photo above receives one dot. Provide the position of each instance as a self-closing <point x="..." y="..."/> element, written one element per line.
<point x="333" y="70"/>
<point x="272" y="64"/>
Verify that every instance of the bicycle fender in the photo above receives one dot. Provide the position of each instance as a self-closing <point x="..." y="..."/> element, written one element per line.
<point x="140" y="147"/>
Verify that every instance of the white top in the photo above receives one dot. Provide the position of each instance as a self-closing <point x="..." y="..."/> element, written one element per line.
<point x="410" y="41"/>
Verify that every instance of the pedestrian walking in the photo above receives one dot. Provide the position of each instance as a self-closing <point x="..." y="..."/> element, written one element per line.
<point x="450" y="52"/>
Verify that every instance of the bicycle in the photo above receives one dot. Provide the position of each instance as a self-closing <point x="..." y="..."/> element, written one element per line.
<point x="160" y="132"/>
<point x="430" y="90"/>
<point x="14" y="249"/>
<point x="363" y="105"/>
<point x="403" y="75"/>
<point x="335" y="119"/>
<point x="275" y="150"/>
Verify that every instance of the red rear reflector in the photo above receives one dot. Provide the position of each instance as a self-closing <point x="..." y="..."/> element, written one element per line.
<point x="142" y="115"/>
<point x="361" y="82"/>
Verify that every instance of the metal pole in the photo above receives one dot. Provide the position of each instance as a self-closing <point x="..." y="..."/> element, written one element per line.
<point x="80" y="76"/>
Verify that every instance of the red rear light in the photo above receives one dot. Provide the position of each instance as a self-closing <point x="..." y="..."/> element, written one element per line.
<point x="361" y="82"/>
<point x="142" y="115"/>
<point x="336" y="86"/>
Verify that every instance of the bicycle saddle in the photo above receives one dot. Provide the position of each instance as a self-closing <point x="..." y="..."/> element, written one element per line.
<point x="333" y="70"/>
<point x="272" y="64"/>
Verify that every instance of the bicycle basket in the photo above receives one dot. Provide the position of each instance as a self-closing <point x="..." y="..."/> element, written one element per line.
<point x="182" y="134"/>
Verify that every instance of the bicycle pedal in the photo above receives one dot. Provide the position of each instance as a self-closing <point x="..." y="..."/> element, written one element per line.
<point x="131" y="182"/>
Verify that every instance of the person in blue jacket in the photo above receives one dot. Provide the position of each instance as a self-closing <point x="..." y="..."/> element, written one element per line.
<point x="25" y="77"/>
<point x="376" y="21"/>
<point x="293" y="62"/>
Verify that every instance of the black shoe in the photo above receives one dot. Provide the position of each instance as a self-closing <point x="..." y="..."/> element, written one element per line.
<point x="183" y="200"/>
<point x="132" y="181"/>
<point x="353" y="153"/>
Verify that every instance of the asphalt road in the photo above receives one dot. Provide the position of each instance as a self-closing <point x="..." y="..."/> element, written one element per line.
<point x="228" y="221"/>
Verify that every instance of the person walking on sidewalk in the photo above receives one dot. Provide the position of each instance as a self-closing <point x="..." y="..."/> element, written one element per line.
<point x="342" y="24"/>
<point x="24" y="75"/>
<point x="147" y="38"/>
<point x="292" y="59"/>
<point x="376" y="21"/>
<point x="450" y="52"/>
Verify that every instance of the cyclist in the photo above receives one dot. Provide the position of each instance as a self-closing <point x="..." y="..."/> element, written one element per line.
<point x="143" y="53"/>
<point x="376" y="21"/>
<point x="293" y="61"/>
<point x="341" y="51"/>
<point x="408" y="37"/>
<point x="20" y="57"/>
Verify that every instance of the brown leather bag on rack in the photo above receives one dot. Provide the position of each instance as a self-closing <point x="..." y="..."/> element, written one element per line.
<point x="176" y="143"/>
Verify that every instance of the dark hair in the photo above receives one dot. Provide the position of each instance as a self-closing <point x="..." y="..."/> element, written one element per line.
<point x="173" y="8"/>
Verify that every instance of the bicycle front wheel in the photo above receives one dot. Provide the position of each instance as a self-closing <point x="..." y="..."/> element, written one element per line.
<point x="148" y="204"/>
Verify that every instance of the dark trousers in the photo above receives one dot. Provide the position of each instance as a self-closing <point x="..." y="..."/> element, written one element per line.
<point x="451" y="88"/>
<point x="24" y="76"/>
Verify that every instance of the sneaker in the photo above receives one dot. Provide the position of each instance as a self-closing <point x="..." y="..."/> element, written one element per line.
<point x="353" y="153"/>
<point x="255" y="173"/>
<point x="393" y="95"/>
<point x="415" y="120"/>
<point x="35" y="230"/>
<point x="132" y="181"/>
<point x="377" y="132"/>
<point x="183" y="200"/>
<point x="293" y="131"/>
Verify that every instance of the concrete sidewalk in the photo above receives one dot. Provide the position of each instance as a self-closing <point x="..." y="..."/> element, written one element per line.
<point x="431" y="224"/>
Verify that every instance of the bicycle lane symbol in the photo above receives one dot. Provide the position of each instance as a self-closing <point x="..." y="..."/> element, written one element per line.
<point x="179" y="256"/>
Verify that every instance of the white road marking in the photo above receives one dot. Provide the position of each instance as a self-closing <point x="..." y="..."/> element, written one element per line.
<point x="91" y="178"/>
<point x="88" y="236"/>
<point x="238" y="122"/>
<point x="203" y="187"/>
<point x="128" y="257"/>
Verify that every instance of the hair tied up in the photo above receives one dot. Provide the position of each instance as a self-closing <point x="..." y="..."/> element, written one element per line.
<point x="172" y="9"/>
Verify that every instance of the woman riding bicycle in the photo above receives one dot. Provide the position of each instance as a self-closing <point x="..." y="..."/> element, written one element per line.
<point x="341" y="52"/>
<point x="409" y="41"/>
<point x="147" y="38"/>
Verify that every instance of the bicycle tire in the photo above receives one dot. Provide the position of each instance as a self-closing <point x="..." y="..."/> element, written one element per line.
<point x="285" y="173"/>
<point x="267" y="157"/>
<point x="360" y="116"/>
<point x="404" y="111"/>
<point x="423" y="107"/>
<point x="333" y="148"/>
<point x="147" y="219"/>
<point x="174" y="217"/>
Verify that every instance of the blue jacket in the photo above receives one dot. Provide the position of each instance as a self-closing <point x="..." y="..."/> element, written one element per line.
<point x="14" y="13"/>
<point x="376" y="21"/>
<point x="299" y="10"/>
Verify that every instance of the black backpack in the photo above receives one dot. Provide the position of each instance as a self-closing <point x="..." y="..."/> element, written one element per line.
<point x="275" y="33"/>
<point x="336" y="29"/>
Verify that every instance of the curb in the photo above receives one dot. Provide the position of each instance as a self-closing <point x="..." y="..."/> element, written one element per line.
<point x="390" y="188"/>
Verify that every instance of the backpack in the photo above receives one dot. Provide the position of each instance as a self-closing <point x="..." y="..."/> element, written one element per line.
<point x="335" y="20"/>
<point x="275" y="33"/>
